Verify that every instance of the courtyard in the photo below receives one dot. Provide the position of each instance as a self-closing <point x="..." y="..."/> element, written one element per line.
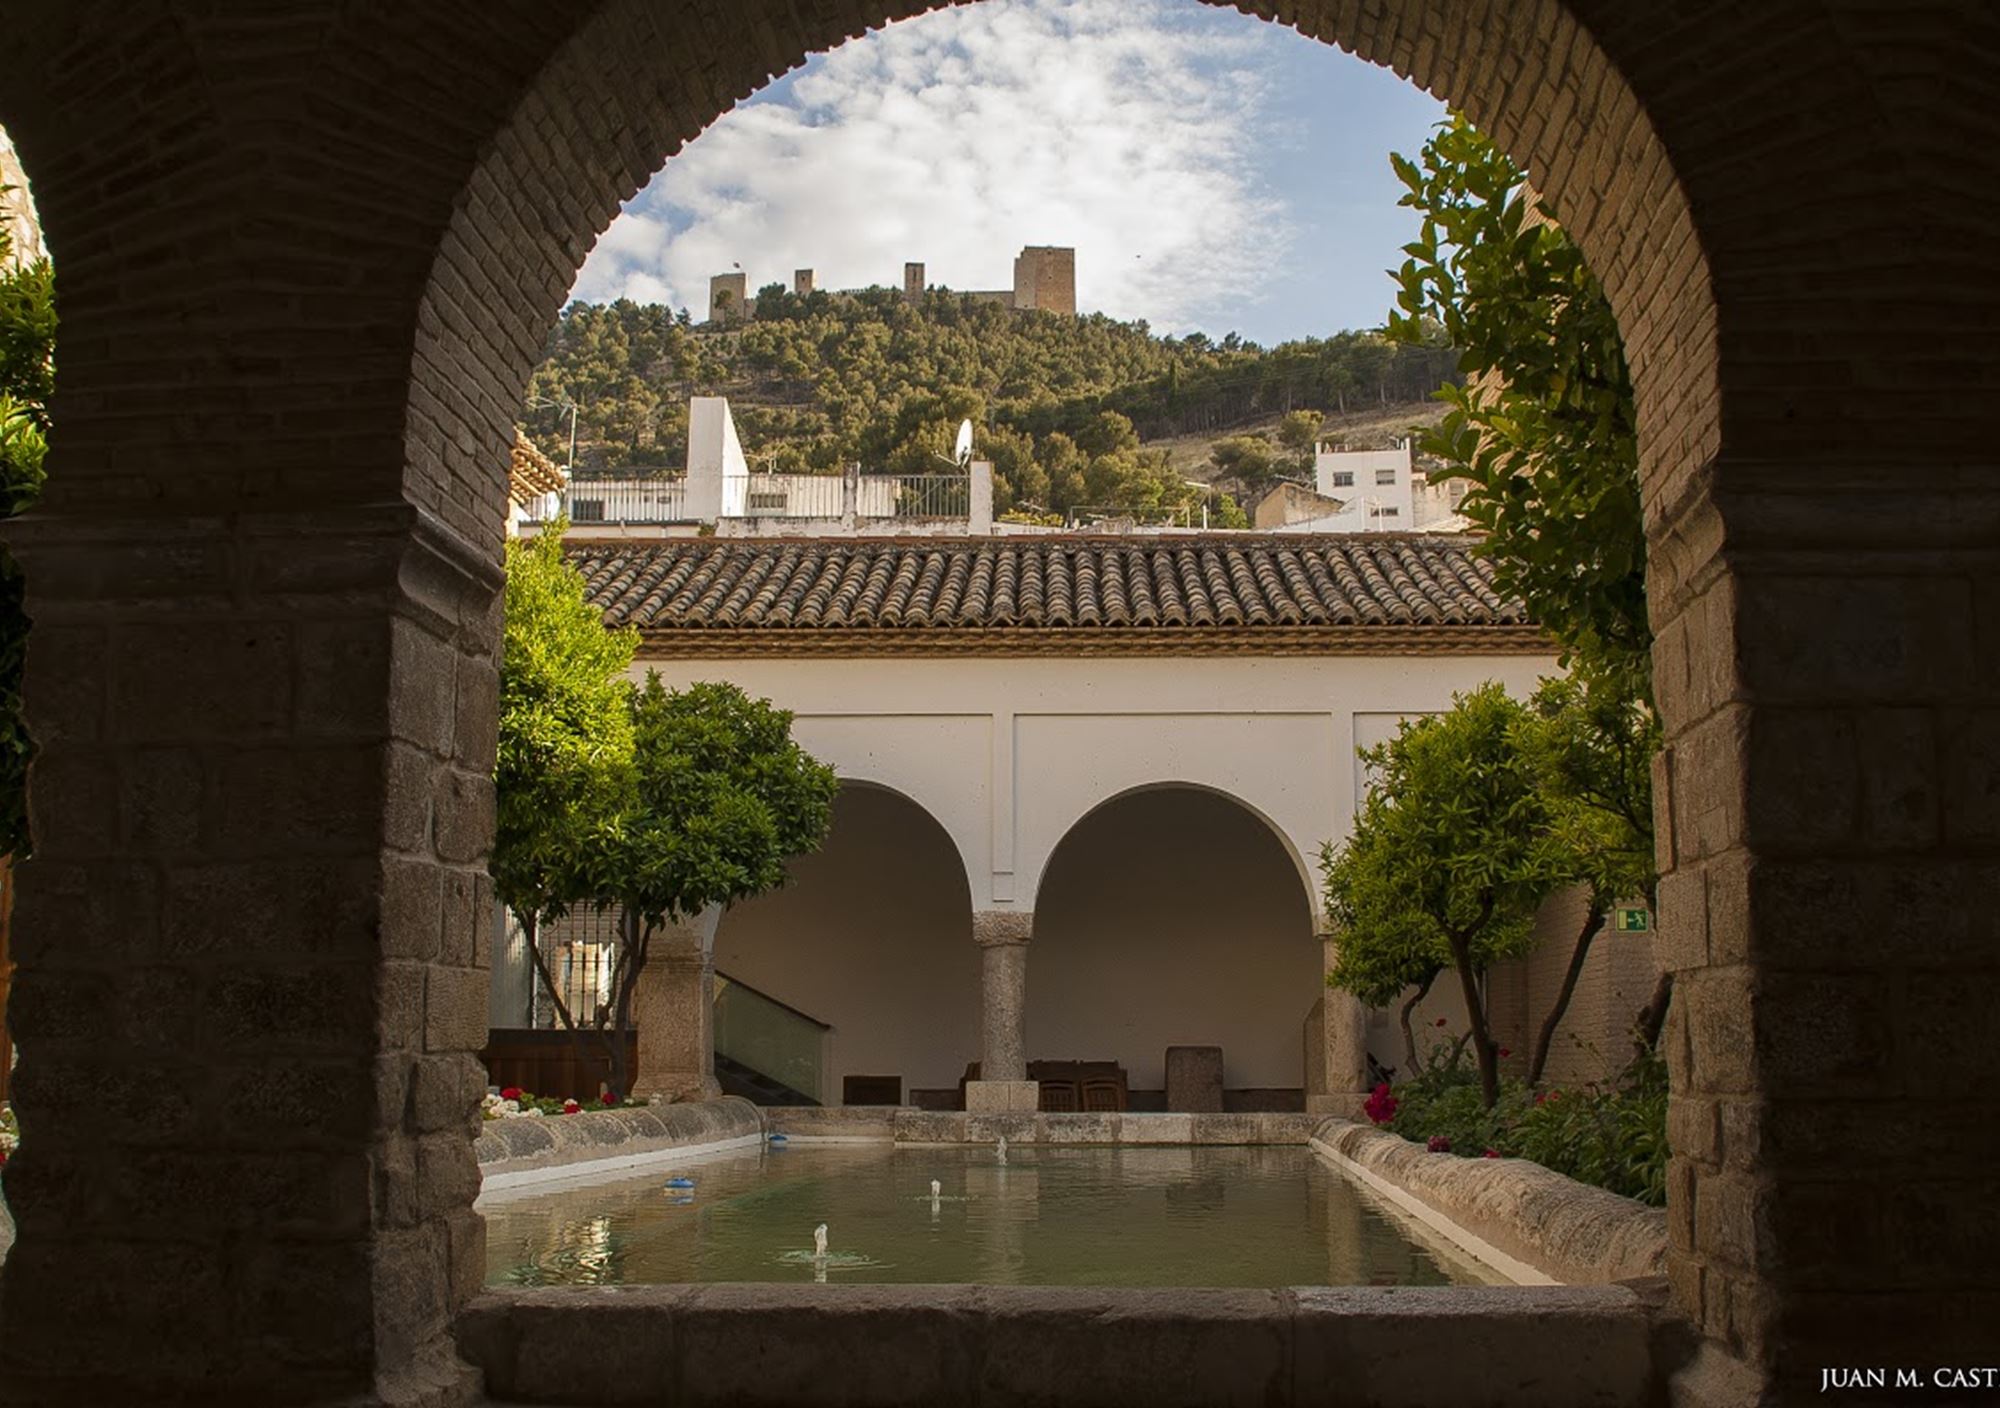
<point x="308" y="258"/>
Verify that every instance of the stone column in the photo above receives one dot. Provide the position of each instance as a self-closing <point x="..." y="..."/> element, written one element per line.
<point x="673" y="1009"/>
<point x="1337" y="1067"/>
<point x="252" y="950"/>
<point x="1002" y="936"/>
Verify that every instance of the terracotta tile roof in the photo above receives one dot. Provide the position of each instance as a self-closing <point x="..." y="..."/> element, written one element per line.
<point x="530" y="473"/>
<point x="1239" y="585"/>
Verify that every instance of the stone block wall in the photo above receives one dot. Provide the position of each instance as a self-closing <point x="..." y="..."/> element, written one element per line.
<point x="307" y="256"/>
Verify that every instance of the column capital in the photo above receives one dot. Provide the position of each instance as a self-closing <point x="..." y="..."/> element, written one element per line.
<point x="994" y="927"/>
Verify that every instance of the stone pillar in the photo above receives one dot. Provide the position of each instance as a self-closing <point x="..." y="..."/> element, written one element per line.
<point x="1337" y="1066"/>
<point x="673" y="1009"/>
<point x="1003" y="1084"/>
<point x="1828" y="805"/>
<point x="252" y="949"/>
<point x="979" y="518"/>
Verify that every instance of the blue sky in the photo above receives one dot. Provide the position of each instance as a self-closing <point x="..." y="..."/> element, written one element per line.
<point x="1214" y="171"/>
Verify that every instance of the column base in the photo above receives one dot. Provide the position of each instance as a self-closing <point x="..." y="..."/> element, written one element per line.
<point x="1346" y="1104"/>
<point x="677" y="1087"/>
<point x="1002" y="1097"/>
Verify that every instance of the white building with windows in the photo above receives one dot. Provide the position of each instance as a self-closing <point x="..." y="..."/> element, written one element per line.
<point x="1378" y="491"/>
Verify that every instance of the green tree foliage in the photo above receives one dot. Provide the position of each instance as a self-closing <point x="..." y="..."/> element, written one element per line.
<point x="719" y="798"/>
<point x="1591" y="747"/>
<point x="1299" y="433"/>
<point x="829" y="379"/>
<point x="1449" y="859"/>
<point x="27" y="378"/>
<point x="562" y="771"/>
<point x="1388" y="949"/>
<point x="1244" y="457"/>
<point x="1544" y="427"/>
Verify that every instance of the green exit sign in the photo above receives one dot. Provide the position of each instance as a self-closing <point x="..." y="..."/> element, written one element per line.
<point x="1632" y="921"/>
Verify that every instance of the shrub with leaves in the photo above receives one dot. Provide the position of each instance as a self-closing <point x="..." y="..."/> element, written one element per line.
<point x="1614" y="1137"/>
<point x="1545" y="428"/>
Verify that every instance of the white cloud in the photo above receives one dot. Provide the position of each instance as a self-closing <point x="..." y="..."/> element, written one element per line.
<point x="1130" y="129"/>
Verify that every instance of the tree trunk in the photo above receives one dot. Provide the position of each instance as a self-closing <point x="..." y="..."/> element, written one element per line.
<point x="632" y="946"/>
<point x="1653" y="1016"/>
<point x="1593" y="922"/>
<point x="1409" y="1037"/>
<point x="1475" y="1007"/>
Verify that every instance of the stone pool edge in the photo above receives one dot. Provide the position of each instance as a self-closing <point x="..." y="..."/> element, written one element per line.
<point x="907" y="1125"/>
<point x="1512" y="1214"/>
<point x="599" y="1143"/>
<point x="1537" y="1347"/>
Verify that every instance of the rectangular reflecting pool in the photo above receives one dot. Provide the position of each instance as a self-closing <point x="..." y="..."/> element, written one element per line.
<point x="1046" y="1216"/>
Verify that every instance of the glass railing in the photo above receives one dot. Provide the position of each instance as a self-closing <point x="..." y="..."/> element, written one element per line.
<point x="758" y="1031"/>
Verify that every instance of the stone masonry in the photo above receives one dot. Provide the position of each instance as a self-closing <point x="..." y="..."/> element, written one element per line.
<point x="307" y="256"/>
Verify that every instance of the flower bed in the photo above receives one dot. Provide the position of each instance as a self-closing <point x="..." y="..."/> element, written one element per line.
<point x="516" y="1103"/>
<point x="1613" y="1135"/>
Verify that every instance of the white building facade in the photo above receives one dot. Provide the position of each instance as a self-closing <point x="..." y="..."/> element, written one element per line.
<point x="1086" y="786"/>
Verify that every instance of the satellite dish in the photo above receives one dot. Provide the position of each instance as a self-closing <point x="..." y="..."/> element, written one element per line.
<point x="961" y="451"/>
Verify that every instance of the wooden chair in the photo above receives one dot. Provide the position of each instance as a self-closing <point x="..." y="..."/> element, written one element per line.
<point x="1105" y="1093"/>
<point x="1058" y="1095"/>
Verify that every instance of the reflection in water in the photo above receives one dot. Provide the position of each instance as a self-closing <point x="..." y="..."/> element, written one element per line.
<point x="1079" y="1216"/>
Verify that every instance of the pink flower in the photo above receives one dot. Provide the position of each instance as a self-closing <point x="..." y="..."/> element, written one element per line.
<point x="570" y="1107"/>
<point x="1439" y="1144"/>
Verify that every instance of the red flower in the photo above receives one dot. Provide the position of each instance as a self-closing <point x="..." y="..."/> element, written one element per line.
<point x="1438" y="1023"/>
<point x="1490" y="1154"/>
<point x="1439" y="1144"/>
<point x="512" y="1092"/>
<point x="609" y="1098"/>
<point x="1505" y="1053"/>
<point x="570" y="1107"/>
<point x="1381" y="1106"/>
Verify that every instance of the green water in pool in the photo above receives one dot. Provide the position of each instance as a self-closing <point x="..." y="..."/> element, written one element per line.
<point x="1046" y="1216"/>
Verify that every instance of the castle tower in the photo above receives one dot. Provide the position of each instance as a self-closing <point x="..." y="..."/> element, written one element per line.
<point x="802" y="282"/>
<point x="1045" y="278"/>
<point x="729" y="297"/>
<point x="913" y="281"/>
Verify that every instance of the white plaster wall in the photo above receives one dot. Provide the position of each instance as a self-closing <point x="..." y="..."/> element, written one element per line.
<point x="1173" y="917"/>
<point x="1363" y="464"/>
<point x="873" y="934"/>
<point x="1008" y="754"/>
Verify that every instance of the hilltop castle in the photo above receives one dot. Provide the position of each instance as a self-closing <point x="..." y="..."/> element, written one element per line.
<point x="1044" y="277"/>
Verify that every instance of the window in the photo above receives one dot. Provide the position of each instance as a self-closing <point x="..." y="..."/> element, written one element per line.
<point x="1343" y="479"/>
<point x="586" y="510"/>
<point x="1385" y="476"/>
<point x="765" y="500"/>
<point x="1390" y="512"/>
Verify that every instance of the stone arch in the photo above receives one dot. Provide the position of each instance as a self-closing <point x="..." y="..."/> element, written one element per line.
<point x="1288" y="843"/>
<point x="1163" y="918"/>
<point x="269" y="290"/>
<point x="962" y="847"/>
<point x="873" y="937"/>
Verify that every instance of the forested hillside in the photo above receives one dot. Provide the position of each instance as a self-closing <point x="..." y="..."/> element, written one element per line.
<point x="1062" y="405"/>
